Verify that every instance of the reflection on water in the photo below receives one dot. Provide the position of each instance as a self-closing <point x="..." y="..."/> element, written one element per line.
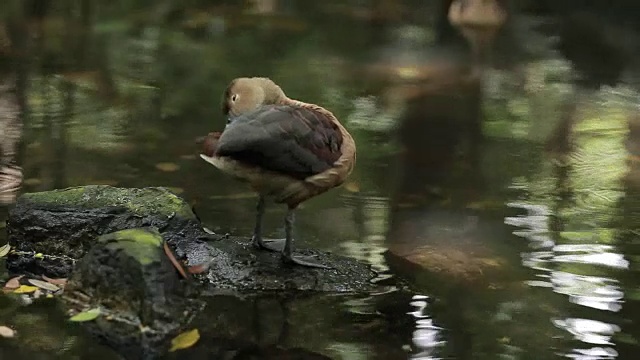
<point x="426" y="337"/>
<point x="500" y="207"/>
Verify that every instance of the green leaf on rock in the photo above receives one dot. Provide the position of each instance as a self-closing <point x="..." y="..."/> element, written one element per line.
<point x="4" y="250"/>
<point x="86" y="315"/>
<point x="185" y="340"/>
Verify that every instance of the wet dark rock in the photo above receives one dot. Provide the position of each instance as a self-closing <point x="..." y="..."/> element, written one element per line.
<point x="128" y="275"/>
<point x="51" y="230"/>
<point x="109" y="242"/>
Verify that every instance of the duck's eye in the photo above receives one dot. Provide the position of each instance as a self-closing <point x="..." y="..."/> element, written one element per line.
<point x="234" y="97"/>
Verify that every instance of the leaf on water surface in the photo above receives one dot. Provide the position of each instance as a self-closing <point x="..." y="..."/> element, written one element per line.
<point x="86" y="315"/>
<point x="185" y="340"/>
<point x="352" y="186"/>
<point x="173" y="260"/>
<point x="4" y="250"/>
<point x="39" y="256"/>
<point x="236" y="196"/>
<point x="25" y="289"/>
<point x="32" y="182"/>
<point x="13" y="283"/>
<point x="7" y="332"/>
<point x="167" y="166"/>
<point x="43" y="285"/>
<point x="59" y="282"/>
<point x="208" y="231"/>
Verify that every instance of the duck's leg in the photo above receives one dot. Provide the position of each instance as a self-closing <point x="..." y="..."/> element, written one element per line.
<point x="257" y="240"/>
<point x="287" y="252"/>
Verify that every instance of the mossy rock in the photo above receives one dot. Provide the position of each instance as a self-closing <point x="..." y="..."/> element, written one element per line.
<point x="141" y="201"/>
<point x="128" y="275"/>
<point x="50" y="230"/>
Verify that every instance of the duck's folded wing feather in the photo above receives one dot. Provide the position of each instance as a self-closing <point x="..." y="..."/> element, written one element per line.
<point x="296" y="141"/>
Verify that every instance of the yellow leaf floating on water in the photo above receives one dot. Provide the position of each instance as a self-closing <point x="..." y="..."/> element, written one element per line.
<point x="4" y="250"/>
<point x="32" y="182"/>
<point x="25" y="289"/>
<point x="86" y="315"/>
<point x="185" y="340"/>
<point x="352" y="186"/>
<point x="167" y="167"/>
<point x="43" y="285"/>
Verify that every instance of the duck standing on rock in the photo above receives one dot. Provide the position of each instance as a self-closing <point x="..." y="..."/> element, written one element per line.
<point x="285" y="149"/>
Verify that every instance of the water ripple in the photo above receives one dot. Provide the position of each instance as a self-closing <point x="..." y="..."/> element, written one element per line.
<point x="426" y="337"/>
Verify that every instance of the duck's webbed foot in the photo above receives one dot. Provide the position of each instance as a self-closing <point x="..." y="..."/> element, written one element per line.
<point x="287" y="251"/>
<point x="268" y="244"/>
<point x="303" y="261"/>
<point x="257" y="240"/>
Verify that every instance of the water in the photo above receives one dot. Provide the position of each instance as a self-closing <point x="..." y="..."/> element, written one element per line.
<point x="521" y="243"/>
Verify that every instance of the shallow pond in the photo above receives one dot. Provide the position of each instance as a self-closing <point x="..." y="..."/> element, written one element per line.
<point x="500" y="231"/>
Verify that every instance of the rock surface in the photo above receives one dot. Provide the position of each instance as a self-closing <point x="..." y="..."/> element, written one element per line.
<point x="51" y="230"/>
<point x="110" y="242"/>
<point x="128" y="276"/>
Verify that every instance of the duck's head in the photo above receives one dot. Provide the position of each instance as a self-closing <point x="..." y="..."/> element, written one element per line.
<point x="244" y="95"/>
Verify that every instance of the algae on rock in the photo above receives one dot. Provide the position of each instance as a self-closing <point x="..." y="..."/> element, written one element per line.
<point x="127" y="275"/>
<point x="64" y="224"/>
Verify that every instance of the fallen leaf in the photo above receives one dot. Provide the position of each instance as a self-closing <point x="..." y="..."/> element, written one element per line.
<point x="173" y="260"/>
<point x="59" y="282"/>
<point x="86" y="315"/>
<point x="13" y="283"/>
<point x="38" y="256"/>
<point x="7" y="332"/>
<point x="208" y="231"/>
<point x="37" y="293"/>
<point x="185" y="340"/>
<point x="25" y="289"/>
<point x="43" y="285"/>
<point x="167" y="167"/>
<point x="198" y="269"/>
<point x="32" y="182"/>
<point x="4" y="250"/>
<point x="352" y="186"/>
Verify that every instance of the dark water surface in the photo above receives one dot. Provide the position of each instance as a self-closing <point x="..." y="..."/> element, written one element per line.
<point x="509" y="207"/>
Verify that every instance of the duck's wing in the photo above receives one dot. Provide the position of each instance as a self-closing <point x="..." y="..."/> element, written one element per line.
<point x="297" y="141"/>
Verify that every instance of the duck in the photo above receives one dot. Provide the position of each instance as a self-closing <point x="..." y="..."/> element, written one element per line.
<point x="287" y="151"/>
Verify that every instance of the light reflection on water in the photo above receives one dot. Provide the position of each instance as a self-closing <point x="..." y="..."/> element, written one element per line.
<point x="426" y="337"/>
<point x="595" y="292"/>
